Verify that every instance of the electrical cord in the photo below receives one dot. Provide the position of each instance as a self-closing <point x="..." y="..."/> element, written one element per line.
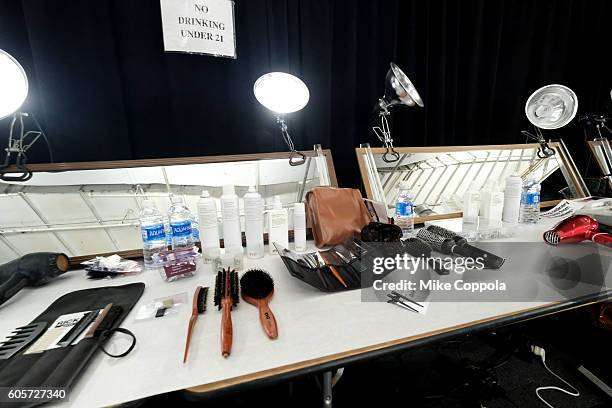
<point x="539" y="351"/>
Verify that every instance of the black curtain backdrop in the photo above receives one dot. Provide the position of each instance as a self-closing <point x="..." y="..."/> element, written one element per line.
<point x="104" y="89"/>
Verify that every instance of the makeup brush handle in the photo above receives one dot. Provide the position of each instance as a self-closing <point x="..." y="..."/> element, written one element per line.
<point x="226" y="330"/>
<point x="268" y="321"/>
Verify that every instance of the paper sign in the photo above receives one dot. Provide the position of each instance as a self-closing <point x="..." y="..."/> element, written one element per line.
<point x="199" y="26"/>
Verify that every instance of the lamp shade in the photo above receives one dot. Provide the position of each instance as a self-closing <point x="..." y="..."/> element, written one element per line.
<point x="399" y="89"/>
<point x="551" y="107"/>
<point x="13" y="85"/>
<point x="281" y="92"/>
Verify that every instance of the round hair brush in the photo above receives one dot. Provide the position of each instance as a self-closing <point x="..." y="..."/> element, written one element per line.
<point x="226" y="297"/>
<point x="257" y="288"/>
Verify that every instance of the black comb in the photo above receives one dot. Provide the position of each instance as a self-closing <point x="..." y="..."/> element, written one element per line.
<point x="20" y="338"/>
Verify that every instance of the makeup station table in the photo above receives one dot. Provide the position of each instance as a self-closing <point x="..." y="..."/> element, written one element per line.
<point x="317" y="333"/>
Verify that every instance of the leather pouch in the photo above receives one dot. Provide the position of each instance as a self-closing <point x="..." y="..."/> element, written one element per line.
<point x="335" y="214"/>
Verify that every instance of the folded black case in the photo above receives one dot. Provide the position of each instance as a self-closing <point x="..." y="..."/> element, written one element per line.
<point x="356" y="273"/>
<point x="61" y="367"/>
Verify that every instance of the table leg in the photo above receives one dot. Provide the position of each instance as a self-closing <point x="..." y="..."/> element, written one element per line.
<point x="327" y="389"/>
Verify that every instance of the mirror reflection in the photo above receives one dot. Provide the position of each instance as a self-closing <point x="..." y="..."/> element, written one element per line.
<point x="94" y="211"/>
<point x="438" y="177"/>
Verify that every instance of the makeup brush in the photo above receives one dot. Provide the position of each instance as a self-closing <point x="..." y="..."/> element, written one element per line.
<point x="257" y="288"/>
<point x="226" y="297"/>
<point x="199" y="307"/>
<point x="333" y="269"/>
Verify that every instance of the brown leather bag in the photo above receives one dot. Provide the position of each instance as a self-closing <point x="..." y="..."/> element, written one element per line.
<point x="335" y="214"/>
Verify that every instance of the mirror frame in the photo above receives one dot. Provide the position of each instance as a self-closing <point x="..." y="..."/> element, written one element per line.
<point x="176" y="161"/>
<point x="602" y="144"/>
<point x="566" y="166"/>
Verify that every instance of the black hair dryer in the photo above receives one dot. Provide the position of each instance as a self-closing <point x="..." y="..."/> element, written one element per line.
<point x="30" y="270"/>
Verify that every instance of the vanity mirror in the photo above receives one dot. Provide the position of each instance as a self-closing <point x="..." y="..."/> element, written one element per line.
<point x="86" y="209"/>
<point x="602" y="152"/>
<point x="438" y="176"/>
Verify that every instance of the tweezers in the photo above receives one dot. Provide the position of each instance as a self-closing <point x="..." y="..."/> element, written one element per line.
<point x="399" y="295"/>
<point x="401" y="304"/>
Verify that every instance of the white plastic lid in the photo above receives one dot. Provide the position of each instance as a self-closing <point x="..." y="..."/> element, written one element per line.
<point x="229" y="190"/>
<point x="277" y="204"/>
<point x="299" y="208"/>
<point x="205" y="194"/>
<point x="404" y="185"/>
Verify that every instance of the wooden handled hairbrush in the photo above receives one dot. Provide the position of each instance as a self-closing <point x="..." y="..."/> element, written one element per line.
<point x="198" y="307"/>
<point x="226" y="297"/>
<point x="257" y="288"/>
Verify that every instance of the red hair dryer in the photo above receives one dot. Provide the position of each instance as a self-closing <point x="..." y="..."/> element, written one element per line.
<point x="577" y="228"/>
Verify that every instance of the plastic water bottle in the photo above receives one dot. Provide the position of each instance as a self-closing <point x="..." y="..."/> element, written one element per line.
<point x="404" y="209"/>
<point x="530" y="202"/>
<point x="195" y="229"/>
<point x="180" y="224"/>
<point x="153" y="231"/>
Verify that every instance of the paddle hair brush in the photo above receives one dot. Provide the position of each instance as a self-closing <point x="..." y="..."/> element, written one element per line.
<point x="226" y="297"/>
<point x="257" y="288"/>
<point x="198" y="308"/>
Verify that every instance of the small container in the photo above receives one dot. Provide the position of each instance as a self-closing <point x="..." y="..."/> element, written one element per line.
<point x="254" y="223"/>
<point x="232" y="258"/>
<point x="278" y="228"/>
<point x="512" y="199"/>
<point x="299" y="227"/>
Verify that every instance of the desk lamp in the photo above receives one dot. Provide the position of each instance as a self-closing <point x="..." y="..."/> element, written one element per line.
<point x="283" y="93"/>
<point x="13" y="92"/>
<point x="398" y="91"/>
<point x="550" y="107"/>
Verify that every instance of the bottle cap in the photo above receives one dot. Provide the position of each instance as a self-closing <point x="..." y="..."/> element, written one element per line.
<point x="514" y="180"/>
<point x="205" y="194"/>
<point x="252" y="189"/>
<point x="277" y="204"/>
<point x="299" y="208"/>
<point x="229" y="190"/>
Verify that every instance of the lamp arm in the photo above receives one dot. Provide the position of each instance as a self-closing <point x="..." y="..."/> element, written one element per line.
<point x="295" y="158"/>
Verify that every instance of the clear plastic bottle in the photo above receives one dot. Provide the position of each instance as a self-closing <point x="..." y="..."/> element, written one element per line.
<point x="180" y="224"/>
<point x="530" y="202"/>
<point x="254" y="223"/>
<point x="404" y="209"/>
<point x="152" y="229"/>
